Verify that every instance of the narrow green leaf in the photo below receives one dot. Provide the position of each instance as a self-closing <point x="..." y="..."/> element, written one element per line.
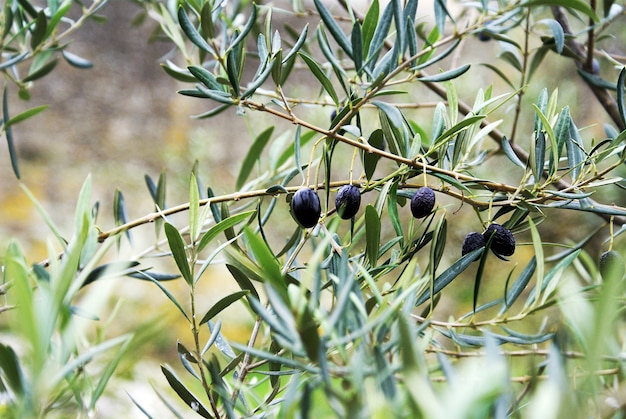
<point x="519" y="285"/>
<point x="191" y="32"/>
<point x="177" y="246"/>
<point x="222" y="304"/>
<point x="38" y="72"/>
<point x="380" y="34"/>
<point x="450" y="274"/>
<point x="232" y="71"/>
<point x="508" y="151"/>
<point x="205" y="77"/>
<point x="253" y="155"/>
<point x="243" y="281"/>
<point x="372" y="234"/>
<point x="185" y="395"/>
<point x="370" y="22"/>
<point x="270" y="268"/>
<point x="620" y="95"/>
<point x="446" y="75"/>
<point x="357" y="46"/>
<point x="246" y="29"/>
<point x="333" y="27"/>
<point x="9" y="134"/>
<point x="319" y="74"/>
<point x="298" y="45"/>
<point x="221" y="226"/>
<point x="25" y="115"/>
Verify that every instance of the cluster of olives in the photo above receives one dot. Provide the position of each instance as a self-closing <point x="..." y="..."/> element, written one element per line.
<point x="502" y="241"/>
<point x="306" y="208"/>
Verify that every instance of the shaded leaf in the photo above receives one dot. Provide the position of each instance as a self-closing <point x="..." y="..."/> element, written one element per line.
<point x="446" y="75"/>
<point x="185" y="395"/>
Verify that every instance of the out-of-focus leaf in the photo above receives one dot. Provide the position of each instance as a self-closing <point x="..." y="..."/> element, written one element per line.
<point x="39" y="71"/>
<point x="333" y="27"/>
<point x="449" y="274"/>
<point x="25" y="115"/>
<point x="177" y="246"/>
<point x="9" y="134"/>
<point x="11" y="370"/>
<point x="106" y="375"/>
<point x="254" y="154"/>
<point x="38" y="33"/>
<point x="76" y="61"/>
<point x="596" y="80"/>
<point x="557" y="33"/>
<point x="621" y="106"/>
<point x="14" y="60"/>
<point x="580" y="5"/>
<point x="185" y="395"/>
<point x="446" y="75"/>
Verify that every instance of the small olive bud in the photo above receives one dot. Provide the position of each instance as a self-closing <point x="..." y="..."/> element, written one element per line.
<point x="305" y="207"/>
<point x="422" y="202"/>
<point x="472" y="242"/>
<point x="503" y="242"/>
<point x="348" y="201"/>
<point x="611" y="263"/>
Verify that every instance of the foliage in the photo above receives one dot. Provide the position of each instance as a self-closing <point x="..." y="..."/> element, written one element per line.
<point x="356" y="318"/>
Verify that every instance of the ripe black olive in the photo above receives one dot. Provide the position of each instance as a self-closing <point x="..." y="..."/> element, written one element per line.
<point x="472" y="242"/>
<point x="503" y="242"/>
<point x="348" y="201"/>
<point x="305" y="207"/>
<point x="422" y="202"/>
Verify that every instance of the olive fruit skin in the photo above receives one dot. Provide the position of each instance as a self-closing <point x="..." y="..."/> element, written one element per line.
<point x="305" y="207"/>
<point x="422" y="202"/>
<point x="472" y="242"/>
<point x="503" y="242"/>
<point x="611" y="263"/>
<point x="348" y="201"/>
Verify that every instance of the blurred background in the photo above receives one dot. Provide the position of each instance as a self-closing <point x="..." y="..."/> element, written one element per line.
<point x="122" y="120"/>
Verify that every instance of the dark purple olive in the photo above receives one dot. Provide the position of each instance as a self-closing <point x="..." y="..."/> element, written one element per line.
<point x="472" y="242"/>
<point x="422" y="202"/>
<point x="348" y="201"/>
<point x="611" y="263"/>
<point x="503" y="242"/>
<point x="305" y="207"/>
